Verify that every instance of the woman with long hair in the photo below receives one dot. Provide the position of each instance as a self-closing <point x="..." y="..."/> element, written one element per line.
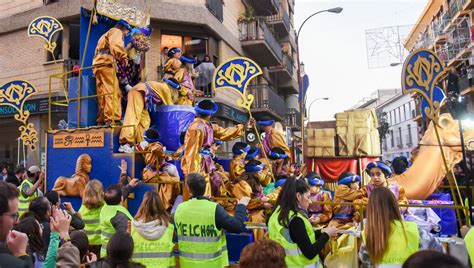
<point x="34" y="230"/>
<point x="40" y="208"/>
<point x="290" y="227"/>
<point x="387" y="239"/>
<point x="120" y="250"/>
<point x="92" y="203"/>
<point x="152" y="231"/>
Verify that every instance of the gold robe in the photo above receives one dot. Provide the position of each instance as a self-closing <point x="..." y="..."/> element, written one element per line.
<point x="137" y="118"/>
<point x="255" y="207"/>
<point x="274" y="138"/>
<point x="168" y="186"/>
<point x="194" y="141"/>
<point x="236" y="167"/>
<point x="344" y="193"/>
<point x="111" y="48"/>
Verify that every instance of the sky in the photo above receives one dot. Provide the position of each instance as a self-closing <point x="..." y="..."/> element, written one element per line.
<point x="333" y="49"/>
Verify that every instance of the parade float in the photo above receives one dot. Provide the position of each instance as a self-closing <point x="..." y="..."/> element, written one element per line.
<point x="82" y="150"/>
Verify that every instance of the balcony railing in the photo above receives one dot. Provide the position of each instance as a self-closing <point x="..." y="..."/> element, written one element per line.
<point x="265" y="7"/>
<point x="69" y="65"/>
<point x="258" y="31"/>
<point x="267" y="100"/>
<point x="280" y="22"/>
<point x="216" y="8"/>
<point x="293" y="118"/>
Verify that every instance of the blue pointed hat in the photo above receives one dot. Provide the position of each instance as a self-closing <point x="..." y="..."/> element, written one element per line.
<point x="206" y="107"/>
<point x="254" y="166"/>
<point x="348" y="180"/>
<point x="252" y="153"/>
<point x="385" y="169"/>
<point x="173" y="51"/>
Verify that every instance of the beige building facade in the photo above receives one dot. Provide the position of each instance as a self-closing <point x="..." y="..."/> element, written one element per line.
<point x="262" y="30"/>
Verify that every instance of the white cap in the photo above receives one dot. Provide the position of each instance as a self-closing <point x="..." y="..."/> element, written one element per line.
<point x="34" y="169"/>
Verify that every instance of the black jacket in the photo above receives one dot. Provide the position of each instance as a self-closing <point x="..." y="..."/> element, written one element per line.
<point x="10" y="261"/>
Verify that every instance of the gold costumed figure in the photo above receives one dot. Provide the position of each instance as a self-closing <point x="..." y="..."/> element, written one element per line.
<point x="248" y="185"/>
<point x="110" y="48"/>
<point x="237" y="164"/>
<point x="319" y="214"/>
<point x="347" y="191"/>
<point x="141" y="99"/>
<point x="273" y="138"/>
<point x="199" y="138"/>
<point x="75" y="185"/>
<point x="157" y="170"/>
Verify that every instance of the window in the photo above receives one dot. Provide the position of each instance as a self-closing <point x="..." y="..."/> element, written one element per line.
<point x="74" y="41"/>
<point x="399" y="115"/>
<point x="189" y="44"/>
<point x="400" y="141"/>
<point x="410" y="112"/>
<point x="216" y="8"/>
<point x="404" y="113"/>
<point x="410" y="139"/>
<point x="392" y="141"/>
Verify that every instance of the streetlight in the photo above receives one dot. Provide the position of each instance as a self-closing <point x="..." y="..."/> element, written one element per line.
<point x="335" y="10"/>
<point x="309" y="109"/>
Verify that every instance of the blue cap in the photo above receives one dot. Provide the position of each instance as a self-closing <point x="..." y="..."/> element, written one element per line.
<point x="185" y="59"/>
<point x="254" y="166"/>
<point x="240" y="148"/>
<point x="200" y="109"/>
<point x="276" y="155"/>
<point x="173" y="51"/>
<point x="124" y="24"/>
<point x="218" y="142"/>
<point x="279" y="182"/>
<point x="252" y="153"/>
<point x="385" y="169"/>
<point x="172" y="83"/>
<point x="266" y="122"/>
<point x="349" y="180"/>
<point x="315" y="182"/>
<point x="151" y="135"/>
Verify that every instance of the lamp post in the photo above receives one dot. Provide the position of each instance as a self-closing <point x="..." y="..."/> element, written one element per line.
<point x="300" y="86"/>
<point x="309" y="108"/>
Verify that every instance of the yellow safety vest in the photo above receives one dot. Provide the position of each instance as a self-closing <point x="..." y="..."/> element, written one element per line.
<point x="106" y="228"/>
<point x="469" y="241"/>
<point x="154" y="253"/>
<point x="91" y="219"/>
<point x="200" y="243"/>
<point x="294" y="257"/>
<point x="398" y="249"/>
<point x="24" y="202"/>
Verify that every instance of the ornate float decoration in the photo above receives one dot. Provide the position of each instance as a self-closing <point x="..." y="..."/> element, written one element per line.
<point x="14" y="94"/>
<point x="45" y="27"/>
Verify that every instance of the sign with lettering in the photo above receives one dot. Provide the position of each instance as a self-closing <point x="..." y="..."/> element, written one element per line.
<point x="79" y="140"/>
<point x="231" y="113"/>
<point x="36" y="106"/>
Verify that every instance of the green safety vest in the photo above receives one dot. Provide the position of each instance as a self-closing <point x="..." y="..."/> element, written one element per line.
<point x="398" y="249"/>
<point x="24" y="202"/>
<point x="294" y="257"/>
<point x="154" y="253"/>
<point x="200" y="243"/>
<point x="106" y="228"/>
<point x="91" y="219"/>
<point x="469" y="241"/>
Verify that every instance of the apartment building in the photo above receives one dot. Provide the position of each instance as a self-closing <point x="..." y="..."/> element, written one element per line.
<point x="262" y="30"/>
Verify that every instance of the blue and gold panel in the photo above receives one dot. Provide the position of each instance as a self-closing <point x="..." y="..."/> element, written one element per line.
<point x="14" y="94"/>
<point x="235" y="74"/>
<point x="421" y="71"/>
<point x="45" y="27"/>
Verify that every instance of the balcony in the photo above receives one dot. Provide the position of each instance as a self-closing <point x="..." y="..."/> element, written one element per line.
<point x="259" y="42"/>
<point x="293" y="119"/>
<point x="285" y="75"/>
<point x="267" y="102"/>
<point x="265" y="7"/>
<point x="280" y="22"/>
<point x="68" y="65"/>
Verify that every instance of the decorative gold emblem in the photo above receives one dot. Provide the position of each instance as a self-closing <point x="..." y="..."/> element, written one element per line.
<point x="14" y="94"/>
<point x="45" y="27"/>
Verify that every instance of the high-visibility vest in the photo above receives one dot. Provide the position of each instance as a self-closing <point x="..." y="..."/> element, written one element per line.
<point x="277" y="232"/>
<point x="24" y="202"/>
<point x="200" y="243"/>
<point x="398" y="249"/>
<point x="469" y="241"/>
<point x="154" y="253"/>
<point x="106" y="228"/>
<point x="91" y="219"/>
